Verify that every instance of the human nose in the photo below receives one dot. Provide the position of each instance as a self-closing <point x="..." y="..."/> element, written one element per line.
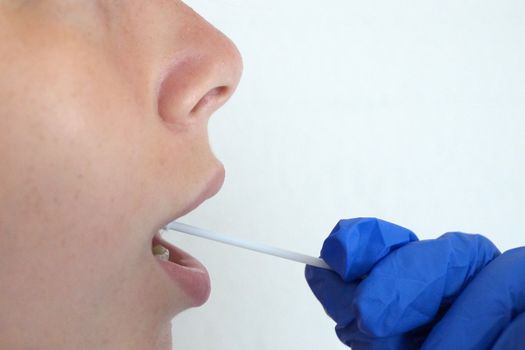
<point x="201" y="78"/>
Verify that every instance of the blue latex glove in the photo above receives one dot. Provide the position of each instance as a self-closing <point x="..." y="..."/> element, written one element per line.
<point x="390" y="291"/>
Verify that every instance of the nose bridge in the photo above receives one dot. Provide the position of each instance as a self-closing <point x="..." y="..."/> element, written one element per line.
<point x="204" y="77"/>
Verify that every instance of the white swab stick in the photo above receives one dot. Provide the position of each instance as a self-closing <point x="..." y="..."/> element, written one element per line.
<point x="258" y="247"/>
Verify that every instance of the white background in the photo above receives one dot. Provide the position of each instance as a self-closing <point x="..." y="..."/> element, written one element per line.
<point x="412" y="111"/>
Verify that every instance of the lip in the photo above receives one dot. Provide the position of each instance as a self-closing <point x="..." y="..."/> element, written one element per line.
<point x="212" y="187"/>
<point x="187" y="272"/>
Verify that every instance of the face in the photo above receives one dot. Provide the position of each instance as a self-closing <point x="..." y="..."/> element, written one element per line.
<point x="104" y="108"/>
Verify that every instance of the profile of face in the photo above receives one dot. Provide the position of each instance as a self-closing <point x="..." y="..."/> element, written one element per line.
<point x="104" y="108"/>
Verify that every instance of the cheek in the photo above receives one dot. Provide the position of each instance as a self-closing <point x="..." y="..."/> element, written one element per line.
<point x="76" y="180"/>
<point x="74" y="150"/>
<point x="89" y="174"/>
<point x="75" y="190"/>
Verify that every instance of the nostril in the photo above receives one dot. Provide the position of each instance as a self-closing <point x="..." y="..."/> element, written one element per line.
<point x="212" y="100"/>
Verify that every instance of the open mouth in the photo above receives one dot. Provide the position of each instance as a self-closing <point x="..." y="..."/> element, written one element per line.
<point x="188" y="273"/>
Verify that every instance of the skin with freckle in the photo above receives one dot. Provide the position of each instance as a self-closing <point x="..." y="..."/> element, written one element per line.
<point x="104" y="108"/>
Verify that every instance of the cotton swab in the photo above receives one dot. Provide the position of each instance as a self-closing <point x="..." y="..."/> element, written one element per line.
<point x="258" y="247"/>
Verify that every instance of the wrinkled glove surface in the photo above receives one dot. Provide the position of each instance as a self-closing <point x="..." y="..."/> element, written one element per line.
<point x="390" y="291"/>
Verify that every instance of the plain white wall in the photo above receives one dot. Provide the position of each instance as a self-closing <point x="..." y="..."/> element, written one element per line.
<point x="409" y="111"/>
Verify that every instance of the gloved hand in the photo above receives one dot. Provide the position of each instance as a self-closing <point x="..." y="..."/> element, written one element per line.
<point x="390" y="291"/>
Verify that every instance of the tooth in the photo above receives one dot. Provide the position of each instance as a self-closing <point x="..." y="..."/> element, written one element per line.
<point x="161" y="252"/>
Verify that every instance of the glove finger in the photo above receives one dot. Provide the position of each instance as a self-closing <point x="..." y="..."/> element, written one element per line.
<point x="485" y="307"/>
<point x="333" y="293"/>
<point x="513" y="337"/>
<point x="407" y="289"/>
<point x="355" y="245"/>
<point x="357" y="340"/>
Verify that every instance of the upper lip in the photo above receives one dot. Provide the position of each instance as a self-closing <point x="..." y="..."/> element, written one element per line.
<point x="213" y="186"/>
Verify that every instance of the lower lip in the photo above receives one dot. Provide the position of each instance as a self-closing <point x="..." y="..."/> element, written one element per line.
<point x="187" y="272"/>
